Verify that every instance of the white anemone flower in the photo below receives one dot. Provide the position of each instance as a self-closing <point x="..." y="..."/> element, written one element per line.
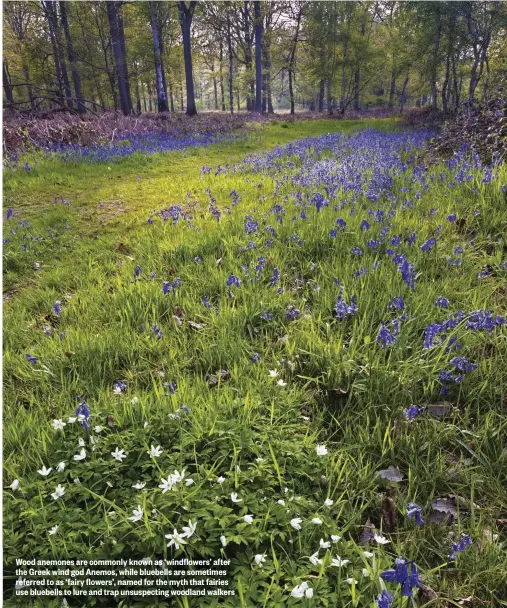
<point x="302" y="591"/>
<point x="335" y="538"/>
<point x="14" y="485"/>
<point x="53" y="530"/>
<point x="59" y="492"/>
<point x="314" y="559"/>
<point x="248" y="518"/>
<point x="381" y="540"/>
<point x="328" y="502"/>
<point x="138" y="514"/>
<point x="339" y="562"/>
<point x="223" y="540"/>
<point x="259" y="559"/>
<point x="324" y="544"/>
<point x="296" y="523"/>
<point x="273" y="373"/>
<point x="155" y="451"/>
<point x="61" y="466"/>
<point x="351" y="581"/>
<point x="234" y="497"/>
<point x="44" y="472"/>
<point x="81" y="455"/>
<point x="317" y="521"/>
<point x="189" y="530"/>
<point x="58" y="425"/>
<point x="118" y="454"/>
<point x="221" y="480"/>
<point x="175" y="539"/>
<point x="139" y="485"/>
<point x="321" y="450"/>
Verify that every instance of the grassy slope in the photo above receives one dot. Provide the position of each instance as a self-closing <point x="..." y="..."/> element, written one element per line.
<point x="94" y="260"/>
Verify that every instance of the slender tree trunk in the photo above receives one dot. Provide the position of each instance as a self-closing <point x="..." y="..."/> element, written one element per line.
<point x="138" y="96"/>
<point x="186" y="14"/>
<point x="291" y="94"/>
<point x="159" y="67"/>
<point x="231" y="65"/>
<point x="72" y="58"/>
<point x="106" y="44"/>
<point x="222" y="93"/>
<point x="258" y="56"/>
<point x="215" y="88"/>
<point x="250" y="97"/>
<point x="357" y="79"/>
<point x="62" y="78"/>
<point x="330" y="98"/>
<point x="7" y="83"/>
<point x="118" y="46"/>
<point x="403" y="95"/>
<point x="321" y="96"/>
<point x="392" y="89"/>
<point x="171" y="98"/>
<point x="436" y="46"/>
<point x="26" y="73"/>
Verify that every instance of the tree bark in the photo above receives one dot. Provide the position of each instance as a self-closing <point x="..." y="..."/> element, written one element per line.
<point x="118" y="45"/>
<point x="231" y="64"/>
<point x="7" y="83"/>
<point x="215" y="87"/>
<point x="436" y="46"/>
<point x="186" y="14"/>
<point x="163" y="106"/>
<point x="221" y="60"/>
<point x="321" y="96"/>
<point x="72" y="58"/>
<point x="62" y="77"/>
<point x="258" y="56"/>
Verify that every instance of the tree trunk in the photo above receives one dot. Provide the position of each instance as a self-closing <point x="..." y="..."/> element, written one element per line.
<point x="357" y="79"/>
<point x="231" y="64"/>
<point x="392" y="89"/>
<point x="62" y="78"/>
<point x="26" y="73"/>
<point x="186" y="14"/>
<point x="250" y="96"/>
<point x="215" y="87"/>
<point x="222" y="93"/>
<point x="159" y="67"/>
<point x="258" y="56"/>
<point x="105" y="45"/>
<point x="436" y="46"/>
<point x="72" y="59"/>
<point x="118" y="45"/>
<point x="321" y="96"/>
<point x="291" y="94"/>
<point x="403" y="95"/>
<point x="7" y="83"/>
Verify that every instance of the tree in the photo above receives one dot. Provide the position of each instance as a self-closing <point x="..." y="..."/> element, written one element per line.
<point x="186" y="14"/>
<point x="163" y="106"/>
<point x="118" y="44"/>
<point x="76" y="79"/>
<point x="258" y="56"/>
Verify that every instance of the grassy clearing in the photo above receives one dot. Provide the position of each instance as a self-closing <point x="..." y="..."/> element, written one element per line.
<point x="332" y="384"/>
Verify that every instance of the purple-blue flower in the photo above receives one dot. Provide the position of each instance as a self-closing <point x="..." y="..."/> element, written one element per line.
<point x="402" y="576"/>
<point x="415" y="511"/>
<point x="57" y="307"/>
<point x="31" y="359"/>
<point x="460" y="546"/>
<point x="384" y="599"/>
<point x="413" y="411"/>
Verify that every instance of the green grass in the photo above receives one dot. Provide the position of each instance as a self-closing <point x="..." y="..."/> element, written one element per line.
<point x="342" y="389"/>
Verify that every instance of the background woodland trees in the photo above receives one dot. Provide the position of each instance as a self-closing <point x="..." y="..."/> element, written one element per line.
<point x="250" y="56"/>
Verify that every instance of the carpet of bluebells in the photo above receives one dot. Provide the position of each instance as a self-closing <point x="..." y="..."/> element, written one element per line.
<point x="296" y="362"/>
